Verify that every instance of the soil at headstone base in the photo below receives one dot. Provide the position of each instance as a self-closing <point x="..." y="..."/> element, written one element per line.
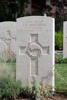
<point x="55" y="97"/>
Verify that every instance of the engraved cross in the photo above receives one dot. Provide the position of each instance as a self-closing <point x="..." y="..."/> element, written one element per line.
<point x="34" y="50"/>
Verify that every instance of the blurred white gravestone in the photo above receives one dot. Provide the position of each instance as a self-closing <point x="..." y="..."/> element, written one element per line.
<point x="65" y="40"/>
<point x="35" y="50"/>
<point x="8" y="34"/>
<point x="7" y="39"/>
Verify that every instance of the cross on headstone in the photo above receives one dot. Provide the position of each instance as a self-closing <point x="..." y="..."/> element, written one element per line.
<point x="8" y="39"/>
<point x="34" y="50"/>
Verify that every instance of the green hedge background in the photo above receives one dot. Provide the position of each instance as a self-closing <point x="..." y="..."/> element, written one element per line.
<point x="58" y="41"/>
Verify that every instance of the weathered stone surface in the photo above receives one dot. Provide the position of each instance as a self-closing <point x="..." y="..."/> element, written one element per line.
<point x="7" y="39"/>
<point x="65" y="40"/>
<point x="35" y="50"/>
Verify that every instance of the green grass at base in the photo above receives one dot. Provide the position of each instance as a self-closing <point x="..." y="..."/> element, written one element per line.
<point x="60" y="74"/>
<point x="61" y="77"/>
<point x="7" y="69"/>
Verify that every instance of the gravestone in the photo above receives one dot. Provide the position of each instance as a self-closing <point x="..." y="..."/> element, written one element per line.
<point x="7" y="39"/>
<point x="35" y="50"/>
<point x="65" y="40"/>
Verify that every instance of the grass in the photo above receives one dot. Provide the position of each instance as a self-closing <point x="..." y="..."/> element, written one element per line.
<point x="60" y="74"/>
<point x="7" y="69"/>
<point x="61" y="77"/>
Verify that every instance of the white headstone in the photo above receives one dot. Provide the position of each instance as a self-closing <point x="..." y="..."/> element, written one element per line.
<point x="35" y="50"/>
<point x="8" y="35"/>
<point x="65" y="40"/>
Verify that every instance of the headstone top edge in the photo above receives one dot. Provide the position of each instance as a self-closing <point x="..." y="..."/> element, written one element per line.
<point x="27" y="17"/>
<point x="8" y="22"/>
